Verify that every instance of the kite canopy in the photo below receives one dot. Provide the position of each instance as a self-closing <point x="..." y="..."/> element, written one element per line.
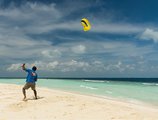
<point x="86" y="25"/>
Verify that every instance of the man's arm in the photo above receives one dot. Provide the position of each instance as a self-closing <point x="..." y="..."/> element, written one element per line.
<point x="23" y="67"/>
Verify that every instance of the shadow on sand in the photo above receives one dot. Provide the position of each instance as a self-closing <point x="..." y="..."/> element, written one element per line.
<point x="33" y="98"/>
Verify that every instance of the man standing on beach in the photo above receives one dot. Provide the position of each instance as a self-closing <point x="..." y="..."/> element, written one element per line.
<point x="30" y="81"/>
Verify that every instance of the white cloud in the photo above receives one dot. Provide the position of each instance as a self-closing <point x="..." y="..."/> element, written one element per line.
<point x="18" y="25"/>
<point x="48" y="66"/>
<point x="150" y="34"/>
<point x="29" y="11"/>
<point x="21" y="48"/>
<point x="118" y="66"/>
<point x="40" y="65"/>
<point x="15" y="25"/>
<point x="39" y="18"/>
<point x="73" y="65"/>
<point x="117" y="28"/>
<point x="14" y="67"/>
<point x="62" y="59"/>
<point x="36" y="18"/>
<point x="54" y="53"/>
<point x="79" y="49"/>
<point x="117" y="48"/>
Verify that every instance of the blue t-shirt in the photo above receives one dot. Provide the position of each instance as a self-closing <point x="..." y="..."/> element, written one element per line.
<point x="32" y="76"/>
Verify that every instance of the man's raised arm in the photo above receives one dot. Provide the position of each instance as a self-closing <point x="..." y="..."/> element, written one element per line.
<point x="23" y="66"/>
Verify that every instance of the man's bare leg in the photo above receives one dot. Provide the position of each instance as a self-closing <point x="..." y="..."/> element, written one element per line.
<point x="35" y="93"/>
<point x="24" y="93"/>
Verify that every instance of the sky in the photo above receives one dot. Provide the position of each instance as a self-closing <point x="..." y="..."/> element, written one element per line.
<point x="122" y="42"/>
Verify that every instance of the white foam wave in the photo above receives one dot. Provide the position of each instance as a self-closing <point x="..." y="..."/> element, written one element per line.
<point x="88" y="87"/>
<point x="109" y="92"/>
<point x="150" y="84"/>
<point x="100" y="81"/>
<point x="136" y="101"/>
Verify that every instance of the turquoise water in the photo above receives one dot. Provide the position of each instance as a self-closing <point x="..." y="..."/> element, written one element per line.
<point x="137" y="92"/>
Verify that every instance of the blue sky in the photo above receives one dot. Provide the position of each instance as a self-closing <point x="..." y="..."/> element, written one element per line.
<point x="123" y="40"/>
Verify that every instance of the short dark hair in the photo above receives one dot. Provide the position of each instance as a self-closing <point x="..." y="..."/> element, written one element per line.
<point x="34" y="68"/>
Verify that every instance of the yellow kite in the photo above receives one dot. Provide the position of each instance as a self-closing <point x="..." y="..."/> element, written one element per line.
<point x="86" y="25"/>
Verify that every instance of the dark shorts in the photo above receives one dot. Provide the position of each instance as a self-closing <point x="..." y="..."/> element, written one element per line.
<point x="28" y="85"/>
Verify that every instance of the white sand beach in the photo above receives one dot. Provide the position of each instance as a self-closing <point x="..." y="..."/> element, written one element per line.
<point x="58" y="105"/>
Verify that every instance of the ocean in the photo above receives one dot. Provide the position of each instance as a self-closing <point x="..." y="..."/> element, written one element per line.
<point x="134" y="91"/>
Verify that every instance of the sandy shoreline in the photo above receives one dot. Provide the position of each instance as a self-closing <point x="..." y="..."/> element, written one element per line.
<point x="58" y="105"/>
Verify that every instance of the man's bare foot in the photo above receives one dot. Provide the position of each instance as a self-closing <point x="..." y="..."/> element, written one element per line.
<point x="24" y="99"/>
<point x="36" y="98"/>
